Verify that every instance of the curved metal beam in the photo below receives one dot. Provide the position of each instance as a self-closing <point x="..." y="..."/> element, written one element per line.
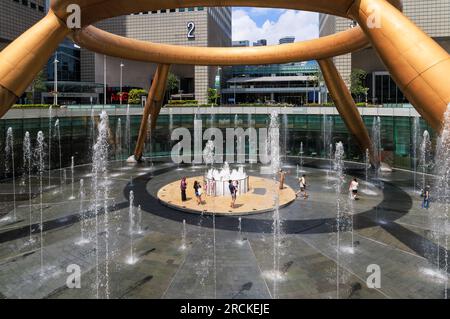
<point x="7" y="98"/>
<point x="419" y="66"/>
<point x="346" y="107"/>
<point x="96" y="10"/>
<point x="152" y="106"/>
<point x="103" y="42"/>
<point x="23" y="59"/>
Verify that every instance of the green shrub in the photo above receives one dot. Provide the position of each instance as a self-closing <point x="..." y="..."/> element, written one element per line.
<point x="260" y="105"/>
<point x="183" y="102"/>
<point x="33" y="106"/>
<point x="134" y="97"/>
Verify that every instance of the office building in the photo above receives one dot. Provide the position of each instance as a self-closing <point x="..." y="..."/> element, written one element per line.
<point x="260" y="43"/>
<point x="199" y="26"/>
<point x="241" y="44"/>
<point x="287" y="40"/>
<point x="292" y="83"/>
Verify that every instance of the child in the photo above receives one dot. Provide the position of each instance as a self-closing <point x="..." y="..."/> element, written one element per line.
<point x="426" y="198"/>
<point x="302" y="182"/>
<point x="354" y="189"/>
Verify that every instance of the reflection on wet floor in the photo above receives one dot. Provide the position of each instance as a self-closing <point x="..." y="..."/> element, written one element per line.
<point x="390" y="230"/>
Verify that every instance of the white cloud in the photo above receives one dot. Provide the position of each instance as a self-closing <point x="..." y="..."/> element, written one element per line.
<point x="263" y="11"/>
<point x="302" y="25"/>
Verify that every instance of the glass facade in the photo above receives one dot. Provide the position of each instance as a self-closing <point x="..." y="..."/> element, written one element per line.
<point x="292" y="83"/>
<point x="69" y="68"/>
<point x="76" y="138"/>
<point x="289" y="69"/>
<point x="383" y="90"/>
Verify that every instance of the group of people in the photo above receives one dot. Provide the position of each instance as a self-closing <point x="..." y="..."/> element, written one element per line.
<point x="301" y="181"/>
<point x="233" y="186"/>
<point x="353" y="188"/>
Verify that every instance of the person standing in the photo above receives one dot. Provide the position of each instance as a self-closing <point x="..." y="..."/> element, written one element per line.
<point x="205" y="186"/>
<point x="196" y="188"/>
<point x="426" y="198"/>
<point x="183" y="187"/>
<point x="232" y="192"/>
<point x="302" y="182"/>
<point x="212" y="187"/>
<point x="353" y="189"/>
<point x="282" y="176"/>
<point x="200" y="194"/>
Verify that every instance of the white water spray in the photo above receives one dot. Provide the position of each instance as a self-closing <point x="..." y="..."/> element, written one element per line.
<point x="339" y="173"/>
<point x="27" y="168"/>
<point x="9" y="150"/>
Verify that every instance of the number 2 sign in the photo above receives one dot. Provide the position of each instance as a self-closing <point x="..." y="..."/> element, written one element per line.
<point x="191" y="30"/>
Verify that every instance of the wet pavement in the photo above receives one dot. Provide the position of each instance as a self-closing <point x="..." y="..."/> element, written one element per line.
<point x="391" y="230"/>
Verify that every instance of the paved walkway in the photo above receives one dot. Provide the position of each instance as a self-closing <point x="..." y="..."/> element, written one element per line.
<point x="389" y="229"/>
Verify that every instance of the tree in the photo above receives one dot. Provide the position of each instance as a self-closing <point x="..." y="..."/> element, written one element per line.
<point x="213" y="96"/>
<point x="134" y="97"/>
<point x="172" y="84"/>
<point x="357" y="81"/>
<point x="37" y="86"/>
<point x="316" y="81"/>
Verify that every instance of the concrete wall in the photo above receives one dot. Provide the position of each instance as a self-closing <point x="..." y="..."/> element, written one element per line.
<point x="16" y="18"/>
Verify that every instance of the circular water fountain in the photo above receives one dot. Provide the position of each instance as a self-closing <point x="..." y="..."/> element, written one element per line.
<point x="217" y="181"/>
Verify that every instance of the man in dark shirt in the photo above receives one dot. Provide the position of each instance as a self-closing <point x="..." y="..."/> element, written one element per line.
<point x="233" y="192"/>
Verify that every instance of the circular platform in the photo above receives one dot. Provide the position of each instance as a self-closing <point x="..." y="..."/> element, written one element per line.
<point x="260" y="198"/>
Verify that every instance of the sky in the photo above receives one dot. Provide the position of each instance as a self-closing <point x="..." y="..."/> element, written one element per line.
<point x="272" y="24"/>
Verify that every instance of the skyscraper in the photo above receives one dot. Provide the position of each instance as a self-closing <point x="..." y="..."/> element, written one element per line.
<point x="432" y="16"/>
<point x="16" y="17"/>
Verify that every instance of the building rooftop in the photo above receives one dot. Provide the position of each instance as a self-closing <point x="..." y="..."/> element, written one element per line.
<point x="271" y="79"/>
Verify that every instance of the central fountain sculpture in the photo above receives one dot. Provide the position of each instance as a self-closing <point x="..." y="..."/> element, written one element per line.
<point x="218" y="180"/>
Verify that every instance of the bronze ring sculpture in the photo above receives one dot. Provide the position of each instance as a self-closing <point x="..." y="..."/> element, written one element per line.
<point x="417" y="63"/>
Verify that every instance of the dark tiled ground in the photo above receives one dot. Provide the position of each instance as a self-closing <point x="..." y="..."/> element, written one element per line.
<point x="391" y="230"/>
